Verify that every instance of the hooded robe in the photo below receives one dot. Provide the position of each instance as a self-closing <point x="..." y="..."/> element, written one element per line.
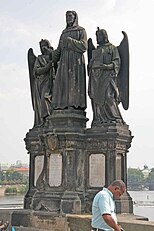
<point x="70" y="81"/>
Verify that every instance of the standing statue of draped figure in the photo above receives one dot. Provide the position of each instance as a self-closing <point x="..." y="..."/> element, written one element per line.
<point x="70" y="81"/>
<point x="108" y="70"/>
<point x="41" y="72"/>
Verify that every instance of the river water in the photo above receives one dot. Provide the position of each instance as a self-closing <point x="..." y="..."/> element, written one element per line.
<point x="143" y="203"/>
<point x="11" y="201"/>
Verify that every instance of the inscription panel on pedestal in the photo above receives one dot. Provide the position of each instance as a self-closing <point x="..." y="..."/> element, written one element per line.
<point x="55" y="170"/>
<point x="39" y="162"/>
<point x="97" y="170"/>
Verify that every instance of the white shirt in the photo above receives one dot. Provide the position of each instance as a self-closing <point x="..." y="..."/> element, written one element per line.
<point x="103" y="203"/>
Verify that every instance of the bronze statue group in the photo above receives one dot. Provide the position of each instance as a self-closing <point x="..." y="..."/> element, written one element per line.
<point x="58" y="77"/>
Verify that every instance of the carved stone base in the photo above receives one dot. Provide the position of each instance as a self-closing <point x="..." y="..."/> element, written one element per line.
<point x="69" y="164"/>
<point x="67" y="120"/>
<point x="70" y="203"/>
<point x="43" y="201"/>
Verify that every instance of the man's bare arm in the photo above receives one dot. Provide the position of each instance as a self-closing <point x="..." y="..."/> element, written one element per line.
<point x="111" y="222"/>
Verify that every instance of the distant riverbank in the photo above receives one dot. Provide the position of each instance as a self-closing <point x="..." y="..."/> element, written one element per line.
<point x="12" y="189"/>
<point x="10" y="200"/>
<point x="2" y="189"/>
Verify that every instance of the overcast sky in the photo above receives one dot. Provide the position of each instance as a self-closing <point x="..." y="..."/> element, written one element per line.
<point x="24" y="22"/>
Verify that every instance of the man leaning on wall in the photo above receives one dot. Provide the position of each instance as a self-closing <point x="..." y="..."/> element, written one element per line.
<point x="103" y="207"/>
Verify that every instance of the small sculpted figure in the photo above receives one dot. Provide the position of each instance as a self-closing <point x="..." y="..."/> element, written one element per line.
<point x="41" y="74"/>
<point x="70" y="81"/>
<point x="108" y="78"/>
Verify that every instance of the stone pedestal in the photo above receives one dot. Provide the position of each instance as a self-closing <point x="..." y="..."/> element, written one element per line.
<point x="107" y="147"/>
<point x="69" y="163"/>
<point x="70" y="202"/>
<point x="124" y="204"/>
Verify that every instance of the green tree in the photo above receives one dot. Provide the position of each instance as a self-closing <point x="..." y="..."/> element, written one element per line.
<point x="135" y="179"/>
<point x="150" y="180"/>
<point x="2" y="176"/>
<point x="22" y="189"/>
<point x="11" y="190"/>
<point x="12" y="177"/>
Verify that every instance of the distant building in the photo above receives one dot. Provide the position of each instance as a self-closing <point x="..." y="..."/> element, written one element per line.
<point x="4" y="167"/>
<point x="24" y="171"/>
<point x="19" y="164"/>
<point x="145" y="171"/>
<point x="18" y="167"/>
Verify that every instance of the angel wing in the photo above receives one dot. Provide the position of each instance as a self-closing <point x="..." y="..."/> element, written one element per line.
<point x="123" y="76"/>
<point x="31" y="61"/>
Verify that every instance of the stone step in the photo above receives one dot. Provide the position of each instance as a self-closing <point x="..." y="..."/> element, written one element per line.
<point x="27" y="220"/>
<point x="27" y="229"/>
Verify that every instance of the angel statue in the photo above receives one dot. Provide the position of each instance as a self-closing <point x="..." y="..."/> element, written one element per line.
<point x="108" y="70"/>
<point x="41" y="73"/>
